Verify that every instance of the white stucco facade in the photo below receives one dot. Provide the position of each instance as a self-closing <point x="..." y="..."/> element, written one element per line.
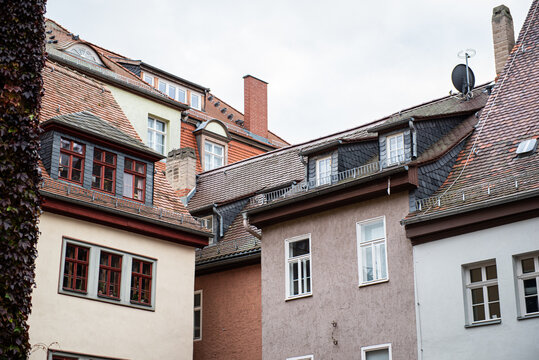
<point x="138" y="109"/>
<point x="98" y="328"/>
<point x="441" y="297"/>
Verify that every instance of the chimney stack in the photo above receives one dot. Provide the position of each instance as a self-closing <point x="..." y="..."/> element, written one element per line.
<point x="255" y="93"/>
<point x="503" y="35"/>
<point x="181" y="169"/>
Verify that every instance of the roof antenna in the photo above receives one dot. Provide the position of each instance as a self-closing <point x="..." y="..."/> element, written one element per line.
<point x="462" y="76"/>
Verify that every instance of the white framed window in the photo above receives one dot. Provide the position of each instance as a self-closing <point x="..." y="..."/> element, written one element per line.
<point x="482" y="296"/>
<point x="323" y="171"/>
<point x="157" y="131"/>
<point x="298" y="266"/>
<point x="197" y="326"/>
<point x="105" y="274"/>
<point x="149" y="79"/>
<point x="376" y="352"/>
<point x="162" y="86"/>
<point x="395" y="148"/>
<point x="305" y="357"/>
<point x="528" y="283"/>
<point x="214" y="155"/>
<point x="172" y="91"/>
<point x="372" y="254"/>
<point x="182" y="95"/>
<point x="196" y="101"/>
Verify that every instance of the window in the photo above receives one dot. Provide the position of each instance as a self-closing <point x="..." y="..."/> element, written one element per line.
<point x="162" y="86"/>
<point x="110" y="274"/>
<point x="528" y="281"/>
<point x="134" y="179"/>
<point x="376" y="352"/>
<point x="298" y="266"/>
<point x="156" y="135"/>
<point x="323" y="171"/>
<point x="71" y="160"/>
<point x="306" y="357"/>
<point x="172" y="91"/>
<point x="76" y="268"/>
<point x="105" y="274"/>
<point x="395" y="148"/>
<point x="149" y="79"/>
<point x="371" y="238"/>
<point x="196" y="101"/>
<point x="61" y="355"/>
<point x="104" y="171"/>
<point x="197" y="334"/>
<point x="214" y="155"/>
<point x="141" y="282"/>
<point x="182" y="96"/>
<point x="482" y="292"/>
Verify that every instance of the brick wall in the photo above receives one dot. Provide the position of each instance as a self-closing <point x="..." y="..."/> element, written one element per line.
<point x="256" y="105"/>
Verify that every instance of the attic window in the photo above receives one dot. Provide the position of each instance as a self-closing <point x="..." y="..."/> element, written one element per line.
<point x="85" y="52"/>
<point x="526" y="147"/>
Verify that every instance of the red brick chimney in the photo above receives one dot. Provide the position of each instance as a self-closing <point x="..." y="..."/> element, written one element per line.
<point x="503" y="35"/>
<point x="255" y="105"/>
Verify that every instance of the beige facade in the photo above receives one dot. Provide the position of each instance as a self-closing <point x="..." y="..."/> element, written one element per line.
<point x="93" y="327"/>
<point x="138" y="109"/>
<point x="381" y="313"/>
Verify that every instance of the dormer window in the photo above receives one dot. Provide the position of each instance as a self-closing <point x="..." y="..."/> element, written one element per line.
<point x="148" y="79"/>
<point x="71" y="160"/>
<point x="196" y="102"/>
<point x="323" y="171"/>
<point x="104" y="170"/>
<point x="395" y="148"/>
<point x="213" y="155"/>
<point x="134" y="179"/>
<point x="85" y="52"/>
<point x="156" y="135"/>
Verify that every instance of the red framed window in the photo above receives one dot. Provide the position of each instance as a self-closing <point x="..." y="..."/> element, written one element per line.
<point x="141" y="282"/>
<point x="110" y="274"/>
<point x="76" y="268"/>
<point x="104" y="170"/>
<point x="71" y="165"/>
<point x="134" y="179"/>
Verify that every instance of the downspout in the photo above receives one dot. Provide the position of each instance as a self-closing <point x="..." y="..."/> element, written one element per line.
<point x="220" y="220"/>
<point x="414" y="138"/>
<point x="247" y="227"/>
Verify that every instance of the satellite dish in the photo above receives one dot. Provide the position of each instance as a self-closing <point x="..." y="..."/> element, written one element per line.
<point x="462" y="81"/>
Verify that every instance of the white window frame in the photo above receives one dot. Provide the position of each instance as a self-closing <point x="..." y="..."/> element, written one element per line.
<point x="520" y="279"/>
<point x="199" y="309"/>
<point x="371" y="243"/>
<point x="305" y="357"/>
<point x="193" y="94"/>
<point x="93" y="274"/>
<point x="484" y="284"/>
<point x="366" y="349"/>
<point x="213" y="155"/>
<point x="399" y="157"/>
<point x="300" y="260"/>
<point x="153" y="132"/>
<point x="184" y="91"/>
<point x="145" y="78"/>
<point x="326" y="179"/>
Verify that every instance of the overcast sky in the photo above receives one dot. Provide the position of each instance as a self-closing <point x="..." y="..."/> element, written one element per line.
<point x="330" y="65"/>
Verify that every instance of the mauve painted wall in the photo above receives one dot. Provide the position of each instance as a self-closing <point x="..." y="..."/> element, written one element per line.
<point x="231" y="315"/>
<point x="370" y="315"/>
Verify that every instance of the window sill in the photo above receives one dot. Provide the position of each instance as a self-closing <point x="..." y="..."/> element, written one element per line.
<point x="299" y="297"/>
<point x="107" y="300"/>
<point x="530" y="316"/>
<point x="373" y="282"/>
<point x="484" y="323"/>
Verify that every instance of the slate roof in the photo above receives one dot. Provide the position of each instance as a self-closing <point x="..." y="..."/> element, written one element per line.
<point x="488" y="168"/>
<point x="88" y="123"/>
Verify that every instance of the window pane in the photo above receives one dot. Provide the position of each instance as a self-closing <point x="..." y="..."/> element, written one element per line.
<point x="494" y="309"/>
<point x="128" y="185"/>
<point x="307" y="272"/>
<point x="208" y="147"/>
<point x="78" y="148"/>
<point x="493" y="293"/>
<point x="478" y="312"/>
<point x="110" y="158"/>
<point x="217" y="161"/>
<point x="148" y="79"/>
<point x="128" y="164"/>
<point x="372" y="231"/>
<point x="532" y="305"/>
<point x="477" y="296"/>
<point x="162" y="87"/>
<point x="382" y="354"/>
<point x="108" y="185"/>
<point x="381" y="259"/>
<point x="109" y="173"/>
<point x="75" y="175"/>
<point x="64" y="159"/>
<point x="77" y="163"/>
<point x="294" y="274"/>
<point x="159" y="126"/>
<point x="197" y="300"/>
<point x="182" y="96"/>
<point x="528" y="265"/>
<point x="197" y="325"/>
<point x="475" y="275"/>
<point x="218" y="150"/>
<point x="298" y="248"/>
<point x="146" y="268"/>
<point x="366" y="260"/>
<point x="491" y="272"/>
<point x="530" y="287"/>
<point x="139" y="168"/>
<point x="65" y="144"/>
<point x="97" y="154"/>
<point x="172" y="92"/>
<point x="195" y="101"/>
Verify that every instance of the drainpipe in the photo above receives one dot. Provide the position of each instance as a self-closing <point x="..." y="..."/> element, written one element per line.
<point x="220" y="220"/>
<point x="414" y="138"/>
<point x="247" y="227"/>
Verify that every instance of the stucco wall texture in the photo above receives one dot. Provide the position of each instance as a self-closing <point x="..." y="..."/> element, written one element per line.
<point x="231" y="315"/>
<point x="369" y="315"/>
<point x="86" y="326"/>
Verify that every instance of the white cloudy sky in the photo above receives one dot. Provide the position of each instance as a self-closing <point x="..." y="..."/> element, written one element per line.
<point x="331" y="65"/>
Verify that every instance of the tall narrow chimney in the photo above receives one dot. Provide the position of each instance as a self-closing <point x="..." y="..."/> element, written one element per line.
<point x="181" y="169"/>
<point x="256" y="105"/>
<point x="503" y="35"/>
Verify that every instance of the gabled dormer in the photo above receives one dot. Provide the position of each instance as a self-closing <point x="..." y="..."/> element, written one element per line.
<point x="212" y="140"/>
<point x="86" y="151"/>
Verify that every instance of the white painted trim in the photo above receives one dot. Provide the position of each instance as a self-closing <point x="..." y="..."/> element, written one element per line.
<point x="317" y="173"/>
<point x="359" y="224"/>
<point x="193" y="94"/>
<point x="366" y="349"/>
<point x="520" y="277"/>
<point x="388" y="148"/>
<point x="469" y="286"/>
<point x="305" y="357"/>
<point x="199" y="308"/>
<point x="287" y="268"/>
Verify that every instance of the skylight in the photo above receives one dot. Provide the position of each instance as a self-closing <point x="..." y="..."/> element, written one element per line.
<point x="526" y="147"/>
